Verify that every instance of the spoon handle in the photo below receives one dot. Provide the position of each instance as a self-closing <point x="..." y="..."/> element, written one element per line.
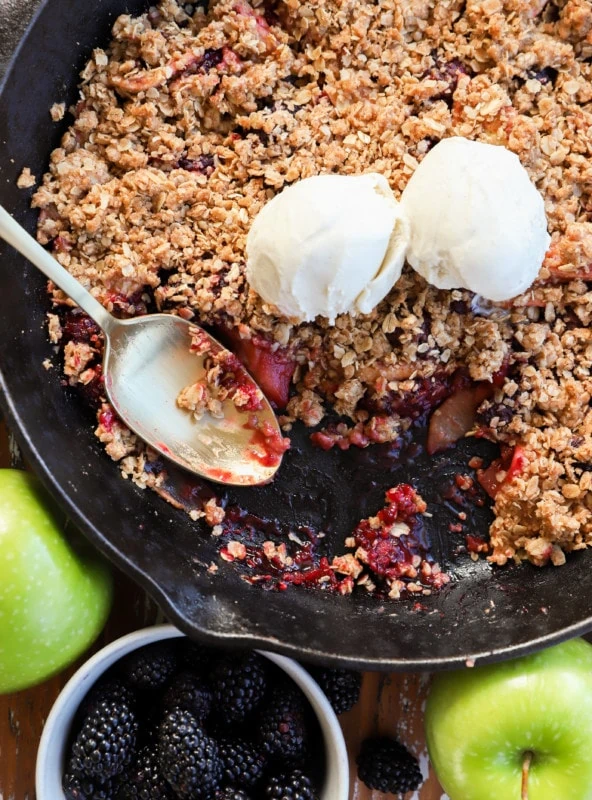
<point x="17" y="236"/>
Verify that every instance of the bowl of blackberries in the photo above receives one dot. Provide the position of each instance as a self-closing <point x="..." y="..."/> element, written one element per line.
<point x="156" y="716"/>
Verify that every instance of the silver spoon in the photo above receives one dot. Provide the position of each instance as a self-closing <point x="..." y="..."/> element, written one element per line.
<point x="146" y="363"/>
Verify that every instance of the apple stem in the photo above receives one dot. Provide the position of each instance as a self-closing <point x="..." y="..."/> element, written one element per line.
<point x="525" y="771"/>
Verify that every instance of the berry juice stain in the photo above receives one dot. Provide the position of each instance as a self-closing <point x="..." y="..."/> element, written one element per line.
<point x="388" y="519"/>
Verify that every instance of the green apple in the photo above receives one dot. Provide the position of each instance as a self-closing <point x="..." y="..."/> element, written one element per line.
<point x="520" y="730"/>
<point x="54" y="594"/>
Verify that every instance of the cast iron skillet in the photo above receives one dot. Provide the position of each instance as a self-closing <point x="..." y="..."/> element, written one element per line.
<point x="485" y="614"/>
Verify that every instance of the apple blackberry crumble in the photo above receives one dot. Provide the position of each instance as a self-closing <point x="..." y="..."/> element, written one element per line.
<point x="193" y="119"/>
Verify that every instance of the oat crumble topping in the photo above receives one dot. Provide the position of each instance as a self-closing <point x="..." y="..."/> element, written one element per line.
<point x="187" y="125"/>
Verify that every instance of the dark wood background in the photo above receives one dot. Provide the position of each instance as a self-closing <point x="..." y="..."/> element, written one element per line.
<point x="389" y="703"/>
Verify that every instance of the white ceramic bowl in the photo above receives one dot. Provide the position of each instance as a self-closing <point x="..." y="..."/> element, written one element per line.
<point x="52" y="747"/>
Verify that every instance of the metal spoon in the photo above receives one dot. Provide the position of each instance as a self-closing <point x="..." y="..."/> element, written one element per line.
<point x="146" y="363"/>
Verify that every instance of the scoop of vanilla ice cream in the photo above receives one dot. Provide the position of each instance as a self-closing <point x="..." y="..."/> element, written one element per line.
<point x="328" y="245"/>
<point x="477" y="222"/>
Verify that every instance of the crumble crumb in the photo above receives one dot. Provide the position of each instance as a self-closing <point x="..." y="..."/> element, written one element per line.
<point x="119" y="441"/>
<point x="26" y="179"/>
<point x="57" y="111"/>
<point x="54" y="328"/>
<point x="214" y="513"/>
<point x="76" y="357"/>
<point x="237" y="550"/>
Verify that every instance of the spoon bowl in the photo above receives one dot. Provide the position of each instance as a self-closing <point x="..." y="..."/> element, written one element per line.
<point x="147" y="362"/>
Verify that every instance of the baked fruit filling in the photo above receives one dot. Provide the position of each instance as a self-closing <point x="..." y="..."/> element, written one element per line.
<point x="188" y="124"/>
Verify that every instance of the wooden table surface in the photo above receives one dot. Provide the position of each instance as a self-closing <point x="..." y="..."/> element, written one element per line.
<point x="389" y="703"/>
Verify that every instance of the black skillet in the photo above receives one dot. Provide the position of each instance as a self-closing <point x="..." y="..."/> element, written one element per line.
<point x="485" y="614"/>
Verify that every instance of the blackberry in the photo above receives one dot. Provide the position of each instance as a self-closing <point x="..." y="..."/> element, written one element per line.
<point x="211" y="58"/>
<point x="189" y="758"/>
<point x="112" y="690"/>
<point x="77" y="787"/>
<point x="342" y="687"/>
<point x="239" y="683"/>
<point x="144" y="781"/>
<point x="106" y="742"/>
<point x="282" y="726"/>
<point x="294" y="785"/>
<point x="149" y="668"/>
<point x="230" y="793"/>
<point x="385" y="764"/>
<point x="544" y="76"/>
<point x="242" y="764"/>
<point x="189" y="692"/>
